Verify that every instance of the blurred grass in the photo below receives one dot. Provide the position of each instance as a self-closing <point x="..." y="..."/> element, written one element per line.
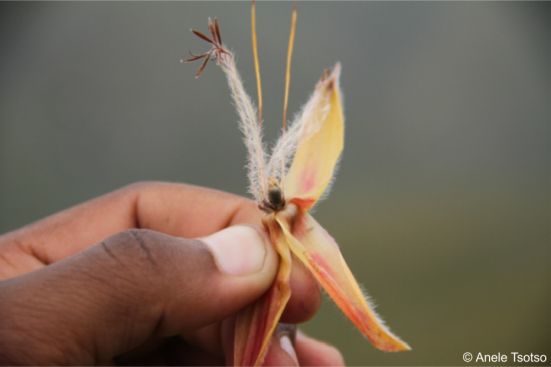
<point x="449" y="276"/>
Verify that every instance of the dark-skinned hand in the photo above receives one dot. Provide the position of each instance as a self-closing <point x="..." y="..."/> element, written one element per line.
<point x="153" y="273"/>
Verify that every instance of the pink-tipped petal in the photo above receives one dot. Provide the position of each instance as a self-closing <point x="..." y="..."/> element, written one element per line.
<point x="320" y="144"/>
<point x="320" y="253"/>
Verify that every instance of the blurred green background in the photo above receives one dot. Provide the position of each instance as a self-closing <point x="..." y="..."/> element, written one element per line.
<point x="442" y="204"/>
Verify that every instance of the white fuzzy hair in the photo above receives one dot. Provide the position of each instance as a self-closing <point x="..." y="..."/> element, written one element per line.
<point x="307" y="122"/>
<point x="250" y="127"/>
<point x="304" y="124"/>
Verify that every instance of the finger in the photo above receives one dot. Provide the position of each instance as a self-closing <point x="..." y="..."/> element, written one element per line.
<point x="175" y="209"/>
<point x="181" y="353"/>
<point x="312" y="352"/>
<point x="281" y="351"/>
<point x="172" y="352"/>
<point x="304" y="302"/>
<point x="305" y="295"/>
<point x="115" y="295"/>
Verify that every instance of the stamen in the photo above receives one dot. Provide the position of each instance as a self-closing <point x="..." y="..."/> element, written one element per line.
<point x="288" y="83"/>
<point x="202" y="35"/>
<point x="217" y="31"/>
<point x="256" y="61"/>
<point x="216" y="51"/>
<point x="288" y="68"/>
<point x="202" y="67"/>
<point x="193" y="57"/>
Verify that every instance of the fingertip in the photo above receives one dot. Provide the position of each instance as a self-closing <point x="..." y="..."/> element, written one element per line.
<point x="247" y="213"/>
<point x="281" y="352"/>
<point x="237" y="250"/>
<point x="312" y="352"/>
<point x="242" y="250"/>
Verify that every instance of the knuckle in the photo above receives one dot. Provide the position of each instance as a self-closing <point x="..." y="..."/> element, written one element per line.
<point x="127" y="264"/>
<point x="139" y="248"/>
<point x="140" y="185"/>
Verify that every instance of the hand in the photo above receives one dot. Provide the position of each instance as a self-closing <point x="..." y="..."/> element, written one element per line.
<point x="85" y="286"/>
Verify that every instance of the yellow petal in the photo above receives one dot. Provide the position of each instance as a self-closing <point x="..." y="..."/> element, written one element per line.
<point x="320" y="253"/>
<point x="320" y="144"/>
<point x="255" y="324"/>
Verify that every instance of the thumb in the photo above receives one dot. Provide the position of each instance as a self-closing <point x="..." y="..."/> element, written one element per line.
<point x="129" y="288"/>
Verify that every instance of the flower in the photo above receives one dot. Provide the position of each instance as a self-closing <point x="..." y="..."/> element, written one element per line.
<point x="286" y="189"/>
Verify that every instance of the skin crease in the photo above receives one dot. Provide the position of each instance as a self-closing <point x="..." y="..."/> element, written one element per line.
<point x="82" y="286"/>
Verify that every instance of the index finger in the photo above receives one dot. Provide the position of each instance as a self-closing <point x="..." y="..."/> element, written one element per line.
<point x="175" y="209"/>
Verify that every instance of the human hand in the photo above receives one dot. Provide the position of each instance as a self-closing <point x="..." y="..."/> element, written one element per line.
<point x="85" y="286"/>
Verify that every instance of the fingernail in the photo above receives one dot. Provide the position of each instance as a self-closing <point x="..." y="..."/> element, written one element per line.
<point x="286" y="344"/>
<point x="237" y="250"/>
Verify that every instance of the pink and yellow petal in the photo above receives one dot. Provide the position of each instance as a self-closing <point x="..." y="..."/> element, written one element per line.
<point x="310" y="243"/>
<point x="256" y="324"/>
<point x="320" y="145"/>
